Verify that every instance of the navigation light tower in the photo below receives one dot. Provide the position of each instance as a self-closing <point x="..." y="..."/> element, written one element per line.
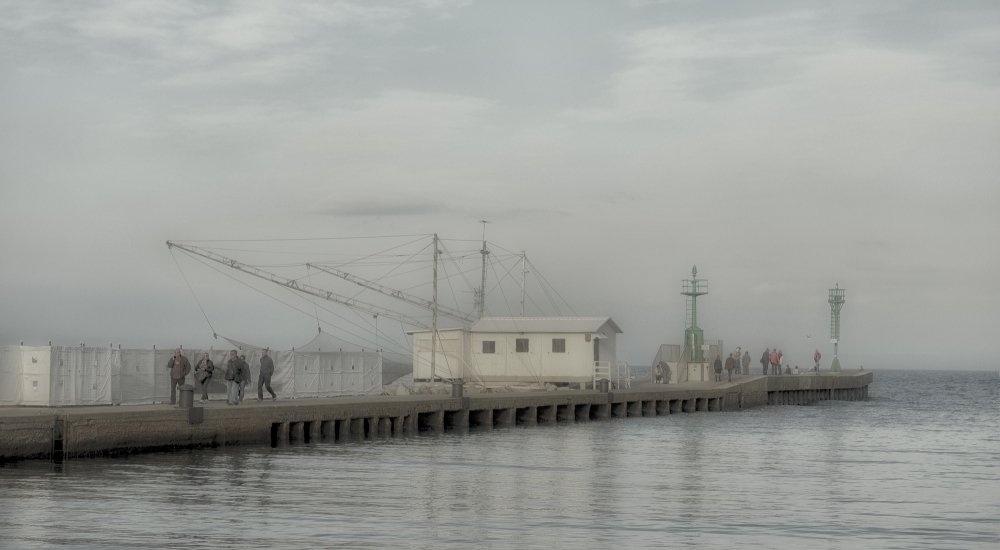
<point x="694" y="337"/>
<point x="836" y="302"/>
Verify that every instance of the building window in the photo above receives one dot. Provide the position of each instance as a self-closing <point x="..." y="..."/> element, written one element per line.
<point x="558" y="345"/>
<point x="522" y="345"/>
<point x="489" y="346"/>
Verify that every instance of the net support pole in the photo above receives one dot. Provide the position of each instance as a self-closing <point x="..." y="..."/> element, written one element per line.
<point x="522" y="283"/>
<point x="434" y="311"/>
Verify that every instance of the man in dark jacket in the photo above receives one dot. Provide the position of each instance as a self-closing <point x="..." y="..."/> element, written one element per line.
<point x="264" y="378"/>
<point x="244" y="378"/>
<point x="730" y="365"/>
<point x="233" y="377"/>
<point x="764" y="360"/>
<point x="718" y="368"/>
<point x="179" y="367"/>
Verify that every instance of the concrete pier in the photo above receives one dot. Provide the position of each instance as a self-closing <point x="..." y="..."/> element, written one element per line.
<point x="92" y="431"/>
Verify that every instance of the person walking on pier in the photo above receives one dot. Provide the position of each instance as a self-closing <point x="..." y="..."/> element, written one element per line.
<point x="746" y="362"/>
<point x="264" y="378"/>
<point x="764" y="359"/>
<point x="244" y="377"/>
<point x="233" y="373"/>
<point x="730" y="365"/>
<point x="179" y="367"/>
<point x="718" y="368"/>
<point x="203" y="374"/>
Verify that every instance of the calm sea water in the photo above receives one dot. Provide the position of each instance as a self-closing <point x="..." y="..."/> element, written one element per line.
<point x="917" y="466"/>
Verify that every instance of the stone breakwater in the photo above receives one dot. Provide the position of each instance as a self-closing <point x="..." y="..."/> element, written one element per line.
<point x="73" y="432"/>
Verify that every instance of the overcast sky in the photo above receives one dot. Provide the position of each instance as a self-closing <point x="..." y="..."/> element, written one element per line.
<point x="783" y="147"/>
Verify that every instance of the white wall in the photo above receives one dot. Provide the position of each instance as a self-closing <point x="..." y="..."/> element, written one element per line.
<point x="67" y="376"/>
<point x="451" y="359"/>
<point x="460" y="354"/>
<point x="35" y="375"/>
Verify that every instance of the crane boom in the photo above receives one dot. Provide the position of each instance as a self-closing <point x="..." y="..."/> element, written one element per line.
<point x="398" y="294"/>
<point x="297" y="286"/>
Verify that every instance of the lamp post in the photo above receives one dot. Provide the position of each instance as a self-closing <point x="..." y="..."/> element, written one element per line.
<point x="836" y="302"/>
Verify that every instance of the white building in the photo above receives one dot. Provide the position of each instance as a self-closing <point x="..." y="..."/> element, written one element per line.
<point x="519" y="349"/>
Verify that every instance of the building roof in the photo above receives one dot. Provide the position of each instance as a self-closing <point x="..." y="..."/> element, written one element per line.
<point x="543" y="324"/>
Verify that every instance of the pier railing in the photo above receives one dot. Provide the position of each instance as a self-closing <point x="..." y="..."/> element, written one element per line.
<point x="602" y="371"/>
<point x="623" y="378"/>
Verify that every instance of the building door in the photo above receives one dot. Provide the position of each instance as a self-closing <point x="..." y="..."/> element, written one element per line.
<point x="597" y="350"/>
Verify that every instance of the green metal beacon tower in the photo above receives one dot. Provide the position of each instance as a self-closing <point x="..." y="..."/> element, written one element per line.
<point x="836" y="302"/>
<point x="694" y="336"/>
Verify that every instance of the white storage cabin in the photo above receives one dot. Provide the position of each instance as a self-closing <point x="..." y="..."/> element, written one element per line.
<point x="518" y="349"/>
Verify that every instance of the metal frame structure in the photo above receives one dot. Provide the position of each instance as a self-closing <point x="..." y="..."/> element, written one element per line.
<point x="836" y="303"/>
<point x="694" y="337"/>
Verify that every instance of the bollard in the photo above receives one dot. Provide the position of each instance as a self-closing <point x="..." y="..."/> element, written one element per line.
<point x="456" y="388"/>
<point x="603" y="385"/>
<point x="186" y="400"/>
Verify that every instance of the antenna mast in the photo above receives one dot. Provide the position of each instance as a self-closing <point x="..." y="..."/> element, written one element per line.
<point x="523" y="272"/>
<point x="434" y="311"/>
<point x="482" y="289"/>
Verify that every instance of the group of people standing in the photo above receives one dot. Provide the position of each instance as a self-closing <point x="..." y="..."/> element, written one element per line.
<point x="237" y="375"/>
<point x="772" y="362"/>
<point x="736" y="362"/>
<point x="773" y="358"/>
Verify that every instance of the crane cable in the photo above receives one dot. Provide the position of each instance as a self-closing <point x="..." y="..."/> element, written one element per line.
<point x="188" y="283"/>
<point x="315" y="310"/>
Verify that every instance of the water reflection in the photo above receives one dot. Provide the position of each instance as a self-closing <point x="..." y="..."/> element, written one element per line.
<point x="910" y="468"/>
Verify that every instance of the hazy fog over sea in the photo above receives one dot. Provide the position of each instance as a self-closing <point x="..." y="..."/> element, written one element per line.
<point x="783" y="147"/>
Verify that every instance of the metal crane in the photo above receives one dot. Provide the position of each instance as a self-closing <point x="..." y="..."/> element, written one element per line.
<point x="300" y="287"/>
<point x="398" y="294"/>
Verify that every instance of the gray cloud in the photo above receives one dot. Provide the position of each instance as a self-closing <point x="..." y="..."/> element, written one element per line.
<point x="376" y="207"/>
